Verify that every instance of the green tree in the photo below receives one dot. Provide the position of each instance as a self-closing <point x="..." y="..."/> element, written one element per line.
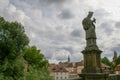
<point x="12" y="39"/>
<point x="117" y="61"/>
<point x="12" y="42"/>
<point x="37" y="64"/>
<point x="106" y="61"/>
<point x="15" y="53"/>
<point x="34" y="57"/>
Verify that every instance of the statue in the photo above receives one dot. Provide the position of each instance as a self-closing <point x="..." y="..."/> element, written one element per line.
<point x="89" y="28"/>
<point x="91" y="54"/>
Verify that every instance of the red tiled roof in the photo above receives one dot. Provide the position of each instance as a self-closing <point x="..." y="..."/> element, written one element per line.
<point x="57" y="68"/>
<point x="117" y="68"/>
<point x="104" y="65"/>
<point x="71" y="64"/>
<point x="118" y="65"/>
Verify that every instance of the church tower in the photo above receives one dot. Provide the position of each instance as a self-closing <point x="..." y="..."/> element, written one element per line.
<point x="68" y="58"/>
<point x="115" y="56"/>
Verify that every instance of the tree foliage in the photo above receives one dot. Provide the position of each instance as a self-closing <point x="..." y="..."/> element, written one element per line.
<point x="12" y="42"/>
<point x="15" y="53"/>
<point x="106" y="61"/>
<point x="117" y="61"/>
<point x="12" y="39"/>
<point x="35" y="57"/>
<point x="37" y="69"/>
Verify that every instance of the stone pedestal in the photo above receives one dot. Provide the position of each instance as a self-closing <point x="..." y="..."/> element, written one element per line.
<point x="92" y="61"/>
<point x="92" y="66"/>
<point x="94" y="76"/>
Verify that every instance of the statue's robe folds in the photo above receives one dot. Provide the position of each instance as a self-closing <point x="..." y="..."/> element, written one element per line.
<point x="89" y="28"/>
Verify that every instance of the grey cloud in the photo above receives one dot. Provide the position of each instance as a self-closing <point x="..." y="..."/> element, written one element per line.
<point x="107" y="27"/>
<point x="3" y="5"/>
<point x="66" y="14"/>
<point x="74" y="54"/>
<point x="116" y="48"/>
<point x="117" y="24"/>
<point x="42" y="8"/>
<point x="38" y="3"/>
<point x="61" y="54"/>
<point x="22" y="4"/>
<point x="77" y="57"/>
<point x="59" y="58"/>
<point x="70" y="49"/>
<point x="53" y="1"/>
<point x="108" y="55"/>
<point x="50" y="39"/>
<point x="76" y="33"/>
<point x="101" y="13"/>
<point x="48" y="53"/>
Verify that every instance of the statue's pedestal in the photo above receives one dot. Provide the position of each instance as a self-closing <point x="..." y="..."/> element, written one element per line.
<point x="92" y="65"/>
<point x="94" y="76"/>
<point x="92" y="61"/>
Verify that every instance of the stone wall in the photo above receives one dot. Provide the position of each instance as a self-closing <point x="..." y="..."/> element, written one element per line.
<point x="114" y="77"/>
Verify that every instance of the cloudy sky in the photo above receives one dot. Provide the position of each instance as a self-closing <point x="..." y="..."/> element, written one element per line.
<point x="54" y="26"/>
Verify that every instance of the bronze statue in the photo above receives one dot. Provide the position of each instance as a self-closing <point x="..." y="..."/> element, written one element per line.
<point x="89" y="28"/>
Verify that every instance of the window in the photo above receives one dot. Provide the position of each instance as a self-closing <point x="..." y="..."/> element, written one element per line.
<point x="65" y="77"/>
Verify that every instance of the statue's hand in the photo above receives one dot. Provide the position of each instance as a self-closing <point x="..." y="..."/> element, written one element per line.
<point x="94" y="20"/>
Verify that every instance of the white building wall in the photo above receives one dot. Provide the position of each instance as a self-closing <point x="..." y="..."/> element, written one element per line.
<point x="117" y="72"/>
<point x="61" y="75"/>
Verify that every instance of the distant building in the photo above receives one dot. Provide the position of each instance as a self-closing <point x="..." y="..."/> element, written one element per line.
<point x="114" y="57"/>
<point x="68" y="59"/>
<point x="117" y="69"/>
<point x="58" y="72"/>
<point x="74" y="68"/>
<point x="70" y="70"/>
<point x="105" y="68"/>
<point x="80" y="67"/>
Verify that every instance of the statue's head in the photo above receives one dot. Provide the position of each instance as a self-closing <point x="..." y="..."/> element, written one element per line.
<point x="90" y="14"/>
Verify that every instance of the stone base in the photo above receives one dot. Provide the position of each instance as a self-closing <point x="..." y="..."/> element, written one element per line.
<point x="94" y="76"/>
<point x="93" y="47"/>
<point x="92" y="70"/>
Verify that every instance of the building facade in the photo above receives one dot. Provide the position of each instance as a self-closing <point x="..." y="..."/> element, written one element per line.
<point x="58" y="72"/>
<point x="117" y="69"/>
<point x="60" y="75"/>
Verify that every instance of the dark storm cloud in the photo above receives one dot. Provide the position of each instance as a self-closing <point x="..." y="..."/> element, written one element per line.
<point x="66" y="14"/>
<point x="117" y="24"/>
